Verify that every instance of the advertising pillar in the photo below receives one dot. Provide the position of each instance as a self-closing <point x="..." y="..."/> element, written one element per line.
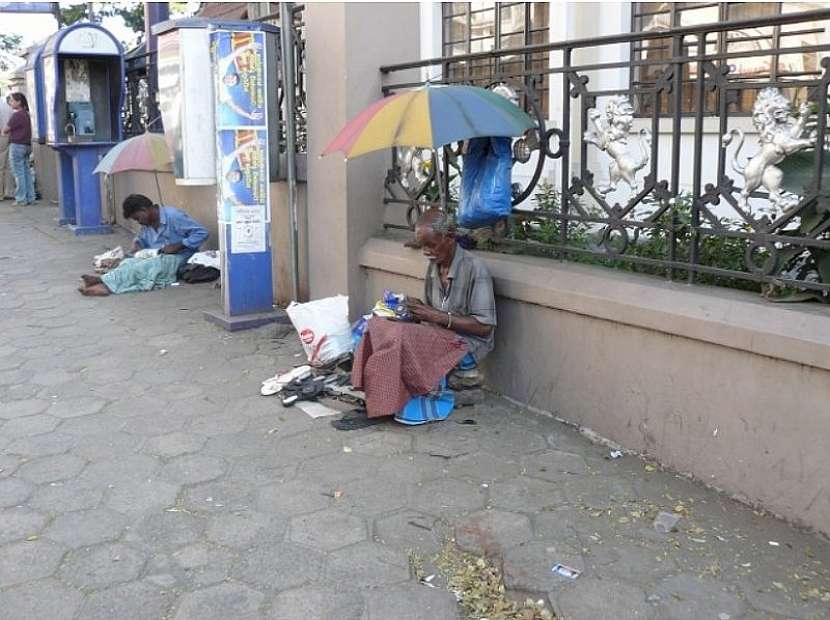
<point x="241" y="96"/>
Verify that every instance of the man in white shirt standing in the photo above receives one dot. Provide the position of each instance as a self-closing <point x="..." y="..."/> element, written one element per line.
<point x="6" y="178"/>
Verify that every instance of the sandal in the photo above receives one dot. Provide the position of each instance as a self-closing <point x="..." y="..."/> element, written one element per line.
<point x="277" y="383"/>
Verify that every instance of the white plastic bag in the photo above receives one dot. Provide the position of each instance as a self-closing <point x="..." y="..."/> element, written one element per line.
<point x="323" y="327"/>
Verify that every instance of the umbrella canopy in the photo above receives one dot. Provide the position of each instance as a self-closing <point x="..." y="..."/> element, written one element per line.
<point x="430" y="117"/>
<point x="145" y="152"/>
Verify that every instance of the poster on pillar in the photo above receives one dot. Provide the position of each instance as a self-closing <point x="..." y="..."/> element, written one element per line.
<point x="243" y="170"/>
<point x="240" y="79"/>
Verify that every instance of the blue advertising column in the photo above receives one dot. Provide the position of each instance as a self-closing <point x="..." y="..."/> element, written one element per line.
<point x="241" y="93"/>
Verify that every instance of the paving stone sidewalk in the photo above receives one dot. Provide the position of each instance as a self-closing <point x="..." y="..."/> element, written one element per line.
<point x="143" y="477"/>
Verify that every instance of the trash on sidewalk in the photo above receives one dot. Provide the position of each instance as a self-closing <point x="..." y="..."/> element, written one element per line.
<point x="615" y="454"/>
<point x="275" y="384"/>
<point x="108" y="260"/>
<point x="324" y="328"/>
<point x="316" y="410"/>
<point x="566" y="571"/>
<point x="666" y="522"/>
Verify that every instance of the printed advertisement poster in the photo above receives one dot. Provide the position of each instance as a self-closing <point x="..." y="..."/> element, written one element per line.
<point x="243" y="169"/>
<point x="50" y="86"/>
<point x="248" y="229"/>
<point x="240" y="78"/>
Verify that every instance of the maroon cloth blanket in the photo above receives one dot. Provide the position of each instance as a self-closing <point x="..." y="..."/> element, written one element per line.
<point x="396" y="361"/>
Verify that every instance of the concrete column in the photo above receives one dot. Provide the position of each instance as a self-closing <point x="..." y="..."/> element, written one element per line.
<point x="346" y="44"/>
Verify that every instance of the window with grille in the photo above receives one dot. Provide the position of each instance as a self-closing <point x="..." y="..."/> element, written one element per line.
<point x="470" y="27"/>
<point x="662" y="16"/>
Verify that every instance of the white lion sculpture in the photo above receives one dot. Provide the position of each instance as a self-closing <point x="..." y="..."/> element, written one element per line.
<point x="610" y="134"/>
<point x="780" y="133"/>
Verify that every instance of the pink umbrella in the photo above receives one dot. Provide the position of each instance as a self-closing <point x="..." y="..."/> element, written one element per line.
<point x="147" y="152"/>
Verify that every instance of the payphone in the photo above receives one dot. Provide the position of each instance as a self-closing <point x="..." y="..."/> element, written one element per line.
<point x="81" y="92"/>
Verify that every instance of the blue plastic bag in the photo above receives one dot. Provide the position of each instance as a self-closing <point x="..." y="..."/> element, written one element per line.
<point x="486" y="189"/>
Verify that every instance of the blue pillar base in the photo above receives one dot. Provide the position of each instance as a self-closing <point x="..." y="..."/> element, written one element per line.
<point x="102" y="229"/>
<point x="66" y="221"/>
<point x="245" y="321"/>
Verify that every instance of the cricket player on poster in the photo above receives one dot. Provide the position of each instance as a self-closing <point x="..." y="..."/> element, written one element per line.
<point x="240" y="87"/>
<point x="243" y="173"/>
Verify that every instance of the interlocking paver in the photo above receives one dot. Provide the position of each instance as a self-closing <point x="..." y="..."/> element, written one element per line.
<point x="14" y="491"/>
<point x="279" y="566"/>
<point x="328" y="530"/>
<point x="192" y="479"/>
<point x="47" y="599"/>
<point x="220" y="602"/>
<point x="86" y="527"/>
<point x="26" y="561"/>
<point x="492" y="532"/>
<point x="20" y="523"/>
<point x="51" y="468"/>
<point x="94" y="568"/>
<point x="319" y="603"/>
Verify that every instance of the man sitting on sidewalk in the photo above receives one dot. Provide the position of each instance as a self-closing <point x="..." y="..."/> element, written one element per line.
<point x="173" y="234"/>
<point x="456" y="331"/>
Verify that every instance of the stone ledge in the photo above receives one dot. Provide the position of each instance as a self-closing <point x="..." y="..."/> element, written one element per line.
<point x="736" y="319"/>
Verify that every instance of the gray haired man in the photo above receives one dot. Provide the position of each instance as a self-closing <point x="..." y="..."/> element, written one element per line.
<point x="458" y="291"/>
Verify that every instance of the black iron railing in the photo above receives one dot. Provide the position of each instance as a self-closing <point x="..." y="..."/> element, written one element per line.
<point x="140" y="112"/>
<point x="716" y="195"/>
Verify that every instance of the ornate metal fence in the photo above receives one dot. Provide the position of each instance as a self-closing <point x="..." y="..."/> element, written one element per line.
<point x="139" y="101"/>
<point x="679" y="155"/>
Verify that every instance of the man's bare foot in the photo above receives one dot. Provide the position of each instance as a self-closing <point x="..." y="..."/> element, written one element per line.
<point x="96" y="290"/>
<point x="90" y="280"/>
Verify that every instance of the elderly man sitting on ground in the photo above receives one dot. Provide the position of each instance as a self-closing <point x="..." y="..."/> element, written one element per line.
<point x="173" y="234"/>
<point x="403" y="367"/>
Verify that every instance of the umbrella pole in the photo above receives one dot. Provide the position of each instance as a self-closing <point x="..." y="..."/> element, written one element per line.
<point x="158" y="187"/>
<point x="440" y="180"/>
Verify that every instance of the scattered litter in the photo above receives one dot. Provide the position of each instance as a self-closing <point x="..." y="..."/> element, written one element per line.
<point x="723" y="616"/>
<point x="467" y="422"/>
<point x="208" y="499"/>
<point x="32" y="537"/>
<point x="427" y="581"/>
<point x="485" y="485"/>
<point x="176" y="284"/>
<point x="666" y="522"/>
<point x="338" y="494"/>
<point x="566" y="571"/>
<point x="653" y="598"/>
<point x="715" y="432"/>
<point x="649" y="467"/>
<point x="163" y="352"/>
<point x="746" y="564"/>
<point x="699" y="541"/>
<point x="615" y="454"/>
<point x="773" y="543"/>
<point x="273" y="430"/>
<point x="347" y="449"/>
<point x="315" y="409"/>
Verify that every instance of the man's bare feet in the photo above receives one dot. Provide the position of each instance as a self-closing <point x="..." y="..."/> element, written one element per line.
<point x="90" y="280"/>
<point x="96" y="290"/>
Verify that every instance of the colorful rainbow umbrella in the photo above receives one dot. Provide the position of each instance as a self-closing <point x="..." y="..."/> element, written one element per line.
<point x="148" y="152"/>
<point x="430" y="117"/>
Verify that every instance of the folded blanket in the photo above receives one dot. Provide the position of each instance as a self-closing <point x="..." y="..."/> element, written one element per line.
<point x="396" y="361"/>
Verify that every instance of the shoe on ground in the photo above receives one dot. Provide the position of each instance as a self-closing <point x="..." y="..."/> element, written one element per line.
<point x="464" y="379"/>
<point x="468" y="398"/>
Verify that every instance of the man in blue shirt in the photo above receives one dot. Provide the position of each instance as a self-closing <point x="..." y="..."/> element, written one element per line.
<point x="172" y="233"/>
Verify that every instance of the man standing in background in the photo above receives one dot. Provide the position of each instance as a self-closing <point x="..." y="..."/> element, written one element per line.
<point x="6" y="179"/>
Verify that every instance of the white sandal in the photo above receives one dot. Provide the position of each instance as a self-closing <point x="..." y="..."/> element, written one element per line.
<point x="275" y="384"/>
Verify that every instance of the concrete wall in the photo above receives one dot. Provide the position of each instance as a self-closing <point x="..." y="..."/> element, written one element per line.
<point x="346" y="43"/>
<point x="46" y="169"/>
<point x="709" y="381"/>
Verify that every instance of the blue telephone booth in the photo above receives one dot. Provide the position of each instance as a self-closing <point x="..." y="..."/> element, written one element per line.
<point x="81" y="94"/>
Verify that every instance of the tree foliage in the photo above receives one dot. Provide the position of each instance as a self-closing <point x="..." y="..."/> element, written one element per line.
<point x="9" y="46"/>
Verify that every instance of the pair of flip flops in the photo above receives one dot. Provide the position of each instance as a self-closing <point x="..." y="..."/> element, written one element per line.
<point x="276" y="384"/>
<point x="308" y="388"/>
